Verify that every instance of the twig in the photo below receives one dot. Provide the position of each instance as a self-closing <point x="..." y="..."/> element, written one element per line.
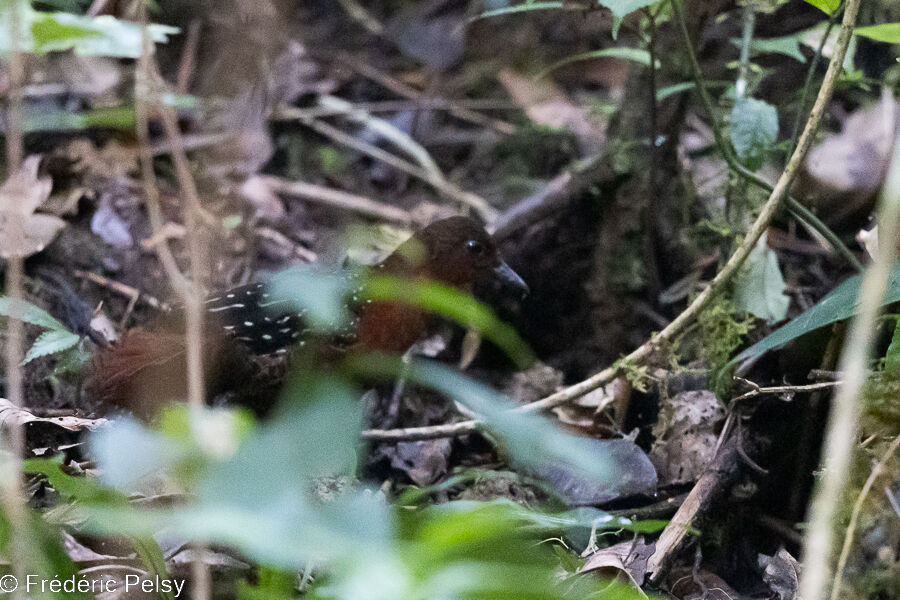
<point x="786" y="389"/>
<point x="571" y="183"/>
<point x="304" y="254"/>
<point x="338" y="198"/>
<point x="188" y="57"/>
<point x="401" y="89"/>
<point x="148" y="80"/>
<point x="123" y="289"/>
<point x="362" y="16"/>
<point x="877" y="470"/>
<point x="293" y="113"/>
<point x="485" y="210"/>
<point x="189" y="289"/>
<point x="711" y="484"/>
<point x="412" y="434"/>
<point x="388" y="131"/>
<point x="842" y="422"/>
<point x="813" y="65"/>
<point x="749" y="18"/>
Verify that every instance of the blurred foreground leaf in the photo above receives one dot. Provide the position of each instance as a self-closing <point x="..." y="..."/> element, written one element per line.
<point x="43" y="32"/>
<point x="453" y="304"/>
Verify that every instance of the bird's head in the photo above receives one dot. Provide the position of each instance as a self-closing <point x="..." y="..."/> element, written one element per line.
<point x="456" y="251"/>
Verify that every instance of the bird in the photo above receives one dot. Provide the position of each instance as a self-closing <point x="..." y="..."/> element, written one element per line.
<point x="147" y="369"/>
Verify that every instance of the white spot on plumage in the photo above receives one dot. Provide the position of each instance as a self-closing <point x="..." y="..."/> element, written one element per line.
<point x="221" y="308"/>
<point x="248" y="323"/>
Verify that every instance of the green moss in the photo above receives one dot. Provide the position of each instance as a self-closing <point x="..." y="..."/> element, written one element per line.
<point x="722" y="332"/>
<point x="536" y="151"/>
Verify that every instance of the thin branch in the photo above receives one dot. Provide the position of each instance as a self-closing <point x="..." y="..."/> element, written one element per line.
<point x="338" y="198"/>
<point x="807" y="84"/>
<point x="457" y="109"/>
<point x="840" y="437"/>
<point x="451" y="190"/>
<point x="14" y="446"/>
<point x="786" y="389"/>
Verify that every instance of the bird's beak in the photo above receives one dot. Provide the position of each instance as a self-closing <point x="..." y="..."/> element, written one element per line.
<point x="510" y="279"/>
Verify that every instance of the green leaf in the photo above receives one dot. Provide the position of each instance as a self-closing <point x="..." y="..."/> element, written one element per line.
<point x="320" y="293"/>
<point x="51" y="342"/>
<point x="29" y="313"/>
<point x="635" y="54"/>
<point x="827" y="6"/>
<point x="43" y="32"/>
<point x="531" y="439"/>
<point x="754" y="130"/>
<point x="620" y="8"/>
<point x="453" y="304"/>
<point x="885" y="32"/>
<point x="788" y="45"/>
<point x="892" y="357"/>
<point x="83" y="489"/>
<point x="759" y="289"/>
<point x="114" y="117"/>
<point x="838" y="305"/>
<point x="521" y="8"/>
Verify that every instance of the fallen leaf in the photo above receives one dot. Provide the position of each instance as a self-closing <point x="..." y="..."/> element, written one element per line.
<point x="22" y="231"/>
<point x="627" y="558"/>
<point x="781" y="573"/>
<point x="546" y="104"/>
<point x="686" y="436"/>
<point x="13" y="416"/>
<point x="843" y="174"/>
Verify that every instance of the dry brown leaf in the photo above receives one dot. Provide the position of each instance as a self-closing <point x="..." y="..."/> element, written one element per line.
<point x="547" y="104"/>
<point x="845" y="171"/>
<point x="22" y="231"/>
<point x="12" y="416"/>
<point x="686" y="436"/>
<point x="628" y="559"/>
<point x="781" y="572"/>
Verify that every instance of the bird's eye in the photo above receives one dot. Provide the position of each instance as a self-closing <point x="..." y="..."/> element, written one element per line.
<point x="475" y="247"/>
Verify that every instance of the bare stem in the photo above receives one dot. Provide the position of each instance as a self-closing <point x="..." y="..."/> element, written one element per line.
<point x="840" y="437"/>
<point x="15" y="442"/>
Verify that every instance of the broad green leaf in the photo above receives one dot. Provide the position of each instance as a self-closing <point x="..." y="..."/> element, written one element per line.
<point x="885" y="32"/>
<point x="788" y="45"/>
<point x="453" y="304"/>
<point x="51" y="342"/>
<point x="116" y="117"/>
<point x="531" y="440"/>
<point x="319" y="294"/>
<point x="620" y="8"/>
<point x="754" y="130"/>
<point x="759" y="288"/>
<point x="43" y="32"/>
<point x="827" y="6"/>
<point x="838" y="305"/>
<point x="636" y="54"/>
<point x="31" y="314"/>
